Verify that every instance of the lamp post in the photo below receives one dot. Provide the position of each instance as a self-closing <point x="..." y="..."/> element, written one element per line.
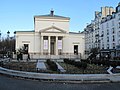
<point x="8" y="33"/>
<point x="9" y="46"/>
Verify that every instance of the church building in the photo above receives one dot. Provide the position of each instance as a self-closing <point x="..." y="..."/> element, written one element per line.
<point x="51" y="38"/>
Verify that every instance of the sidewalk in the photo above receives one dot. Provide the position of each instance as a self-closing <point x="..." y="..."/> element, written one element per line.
<point x="40" y="65"/>
<point x="60" y="68"/>
<point x="15" y="60"/>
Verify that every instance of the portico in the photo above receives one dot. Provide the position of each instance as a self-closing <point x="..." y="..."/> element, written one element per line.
<point x="51" y="45"/>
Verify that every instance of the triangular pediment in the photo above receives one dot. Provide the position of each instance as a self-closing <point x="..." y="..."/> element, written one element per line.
<point x="52" y="29"/>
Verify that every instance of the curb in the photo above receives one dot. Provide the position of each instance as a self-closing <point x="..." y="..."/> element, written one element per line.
<point x="63" y="78"/>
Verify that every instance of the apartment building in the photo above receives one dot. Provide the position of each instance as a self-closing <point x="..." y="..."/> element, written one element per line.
<point x="97" y="34"/>
<point x="110" y="34"/>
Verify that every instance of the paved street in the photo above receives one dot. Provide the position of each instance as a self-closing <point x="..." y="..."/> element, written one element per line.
<point x="7" y="83"/>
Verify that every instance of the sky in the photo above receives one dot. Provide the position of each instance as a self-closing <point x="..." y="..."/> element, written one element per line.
<point x="18" y="15"/>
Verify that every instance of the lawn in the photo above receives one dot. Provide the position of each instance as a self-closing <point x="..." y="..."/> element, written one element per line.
<point x="22" y="66"/>
<point x="91" y="69"/>
<point x="70" y="69"/>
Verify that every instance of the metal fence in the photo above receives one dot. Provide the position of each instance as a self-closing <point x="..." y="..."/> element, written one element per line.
<point x="46" y="56"/>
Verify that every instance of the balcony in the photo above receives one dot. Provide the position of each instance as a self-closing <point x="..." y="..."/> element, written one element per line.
<point x="102" y="35"/>
<point x="97" y="35"/>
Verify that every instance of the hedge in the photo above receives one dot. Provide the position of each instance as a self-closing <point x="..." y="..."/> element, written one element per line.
<point x="82" y="65"/>
<point x="103" y="62"/>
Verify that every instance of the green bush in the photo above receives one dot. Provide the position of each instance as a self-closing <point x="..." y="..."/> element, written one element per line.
<point x="66" y="60"/>
<point x="69" y="61"/>
<point x="1" y="63"/>
<point x="113" y="64"/>
<point x="82" y="65"/>
<point x="99" y="62"/>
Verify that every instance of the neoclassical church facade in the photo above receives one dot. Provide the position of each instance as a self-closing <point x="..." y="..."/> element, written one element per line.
<point x="51" y="38"/>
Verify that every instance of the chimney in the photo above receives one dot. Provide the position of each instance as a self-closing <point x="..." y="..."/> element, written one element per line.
<point x="52" y="13"/>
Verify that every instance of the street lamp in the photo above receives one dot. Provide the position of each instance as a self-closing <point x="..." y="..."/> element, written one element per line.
<point x="8" y="33"/>
<point x="9" y="46"/>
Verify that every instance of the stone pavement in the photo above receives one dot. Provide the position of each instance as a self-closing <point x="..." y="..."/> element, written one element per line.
<point x="109" y="70"/>
<point x="60" y="68"/>
<point x="40" y="65"/>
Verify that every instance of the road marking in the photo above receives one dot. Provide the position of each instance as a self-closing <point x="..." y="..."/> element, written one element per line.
<point x="109" y="70"/>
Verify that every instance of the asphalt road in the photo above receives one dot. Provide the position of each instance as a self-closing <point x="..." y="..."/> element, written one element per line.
<point x="7" y="83"/>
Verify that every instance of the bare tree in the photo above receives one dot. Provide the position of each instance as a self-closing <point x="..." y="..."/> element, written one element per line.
<point x="7" y="46"/>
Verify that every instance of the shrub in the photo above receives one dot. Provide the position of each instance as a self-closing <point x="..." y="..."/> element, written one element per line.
<point x="113" y="64"/>
<point x="52" y="65"/>
<point x="48" y="61"/>
<point x="1" y="63"/>
<point x="82" y="65"/>
<point x="77" y="64"/>
<point x="66" y="60"/>
<point x="69" y="61"/>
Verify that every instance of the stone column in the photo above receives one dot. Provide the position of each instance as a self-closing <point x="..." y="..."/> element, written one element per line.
<point x="49" y="45"/>
<point x="41" y="45"/>
<point x="56" y="45"/>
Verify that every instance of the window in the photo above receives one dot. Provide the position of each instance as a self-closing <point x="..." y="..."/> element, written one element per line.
<point x="107" y="32"/>
<point x="92" y="40"/>
<point x="76" y="49"/>
<point x="112" y="23"/>
<point x="113" y="15"/>
<point x="26" y="48"/>
<point x="113" y="30"/>
<point x="102" y="46"/>
<point x="119" y="25"/>
<point x="102" y="34"/>
<point x="113" y="45"/>
<point x="119" y="41"/>
<point x="107" y="46"/>
<point x="119" y="9"/>
<point x="102" y="27"/>
<point x="107" y="39"/>
<point x="113" y="38"/>
<point x="45" y="42"/>
<point x="119" y="34"/>
<point x="101" y="39"/>
<point x="59" y="38"/>
<point x="118" y="16"/>
<point x="89" y="46"/>
<point x="60" y="43"/>
<point x="107" y="25"/>
<point x="45" y="37"/>
<point x="92" y="46"/>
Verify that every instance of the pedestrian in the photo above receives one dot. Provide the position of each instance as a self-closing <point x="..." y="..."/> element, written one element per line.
<point x="28" y="58"/>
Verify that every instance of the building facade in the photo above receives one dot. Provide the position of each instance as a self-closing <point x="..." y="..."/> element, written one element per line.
<point x="102" y="32"/>
<point x="110" y="30"/>
<point x="51" y="38"/>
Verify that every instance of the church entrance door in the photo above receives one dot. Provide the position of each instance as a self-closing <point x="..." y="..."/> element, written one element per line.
<point x="52" y="48"/>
